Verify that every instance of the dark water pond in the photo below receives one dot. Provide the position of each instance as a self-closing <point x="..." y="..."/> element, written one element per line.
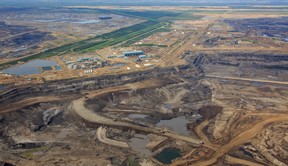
<point x="168" y="154"/>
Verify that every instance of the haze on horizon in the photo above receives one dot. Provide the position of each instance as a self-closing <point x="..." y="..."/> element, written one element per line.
<point x="144" y="2"/>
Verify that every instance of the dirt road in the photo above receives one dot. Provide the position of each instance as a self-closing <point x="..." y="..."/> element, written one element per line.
<point x="90" y="116"/>
<point x="175" y="56"/>
<point x="101" y="136"/>
<point x="205" y="139"/>
<point x="248" y="79"/>
<point x="234" y="160"/>
<point x="243" y="137"/>
<point x="30" y="101"/>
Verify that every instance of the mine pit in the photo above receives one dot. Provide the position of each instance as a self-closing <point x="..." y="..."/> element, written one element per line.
<point x="156" y="122"/>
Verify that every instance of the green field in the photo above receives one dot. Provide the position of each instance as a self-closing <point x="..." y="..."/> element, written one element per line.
<point x="143" y="36"/>
<point x="125" y="34"/>
<point x="97" y="42"/>
<point x="163" y="15"/>
<point x="157" y="21"/>
<point x="152" y="15"/>
<point x="151" y="45"/>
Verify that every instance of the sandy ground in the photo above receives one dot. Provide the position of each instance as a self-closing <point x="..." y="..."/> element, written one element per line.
<point x="90" y="116"/>
<point x="101" y="136"/>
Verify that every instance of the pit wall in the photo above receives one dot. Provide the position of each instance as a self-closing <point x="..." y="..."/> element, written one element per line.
<point x="75" y="86"/>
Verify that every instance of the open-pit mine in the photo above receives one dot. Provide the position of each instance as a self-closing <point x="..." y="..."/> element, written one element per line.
<point x="179" y="86"/>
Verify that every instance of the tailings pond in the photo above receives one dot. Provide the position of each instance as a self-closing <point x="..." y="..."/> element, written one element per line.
<point x="168" y="154"/>
<point x="177" y="125"/>
<point x="32" y="67"/>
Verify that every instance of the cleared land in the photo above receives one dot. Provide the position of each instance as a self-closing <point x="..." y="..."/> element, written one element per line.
<point x="90" y="45"/>
<point x="221" y="101"/>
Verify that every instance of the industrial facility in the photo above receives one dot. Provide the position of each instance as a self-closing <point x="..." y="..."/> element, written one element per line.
<point x="133" y="53"/>
<point x="85" y="63"/>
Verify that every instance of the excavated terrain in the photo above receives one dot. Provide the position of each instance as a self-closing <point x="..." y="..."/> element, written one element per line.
<point x="262" y="26"/>
<point x="219" y="109"/>
<point x="76" y="86"/>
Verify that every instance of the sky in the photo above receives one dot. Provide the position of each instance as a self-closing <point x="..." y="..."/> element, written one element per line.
<point x="144" y="2"/>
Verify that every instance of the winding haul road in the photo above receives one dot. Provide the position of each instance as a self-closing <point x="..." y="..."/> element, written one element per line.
<point x="234" y="160"/>
<point x="101" y="136"/>
<point x="92" y="117"/>
<point x="78" y="105"/>
<point x="240" y="139"/>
